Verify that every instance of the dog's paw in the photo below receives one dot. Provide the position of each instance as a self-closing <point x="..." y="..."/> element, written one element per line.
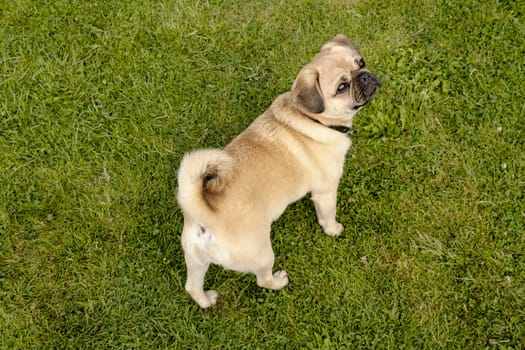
<point x="209" y="299"/>
<point x="212" y="296"/>
<point x="333" y="230"/>
<point x="280" y="279"/>
<point x="273" y="281"/>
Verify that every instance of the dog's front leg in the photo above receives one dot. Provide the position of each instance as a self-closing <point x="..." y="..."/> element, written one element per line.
<point x="325" y="206"/>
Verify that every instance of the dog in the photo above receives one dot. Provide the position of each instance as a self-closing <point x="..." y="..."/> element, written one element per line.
<point x="230" y="197"/>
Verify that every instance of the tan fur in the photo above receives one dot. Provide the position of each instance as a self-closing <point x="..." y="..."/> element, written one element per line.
<point x="230" y="197"/>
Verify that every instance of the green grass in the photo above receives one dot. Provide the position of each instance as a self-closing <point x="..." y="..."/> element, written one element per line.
<point x="99" y="100"/>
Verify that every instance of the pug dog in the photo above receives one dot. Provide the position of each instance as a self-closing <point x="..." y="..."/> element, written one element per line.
<point x="230" y="197"/>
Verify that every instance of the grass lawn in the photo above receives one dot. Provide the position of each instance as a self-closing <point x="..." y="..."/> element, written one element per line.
<point x="100" y="99"/>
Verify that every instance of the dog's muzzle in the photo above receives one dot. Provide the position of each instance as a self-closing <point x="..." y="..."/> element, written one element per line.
<point x="366" y="86"/>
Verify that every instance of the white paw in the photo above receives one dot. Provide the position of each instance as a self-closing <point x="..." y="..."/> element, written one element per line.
<point x="280" y="279"/>
<point x="333" y="230"/>
<point x="209" y="299"/>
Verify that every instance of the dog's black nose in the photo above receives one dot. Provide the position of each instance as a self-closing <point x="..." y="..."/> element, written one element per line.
<point x="367" y="86"/>
<point x="366" y="78"/>
<point x="363" y="78"/>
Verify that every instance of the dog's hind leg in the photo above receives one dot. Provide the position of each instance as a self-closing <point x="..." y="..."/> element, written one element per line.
<point x="195" y="282"/>
<point x="197" y="263"/>
<point x="275" y="281"/>
<point x="263" y="270"/>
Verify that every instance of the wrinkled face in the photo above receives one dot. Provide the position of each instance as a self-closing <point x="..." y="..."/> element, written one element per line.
<point x="335" y="84"/>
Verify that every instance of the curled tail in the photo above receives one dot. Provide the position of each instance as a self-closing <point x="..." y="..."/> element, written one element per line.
<point x="203" y="176"/>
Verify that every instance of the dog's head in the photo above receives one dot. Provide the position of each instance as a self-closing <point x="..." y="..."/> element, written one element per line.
<point x="335" y="84"/>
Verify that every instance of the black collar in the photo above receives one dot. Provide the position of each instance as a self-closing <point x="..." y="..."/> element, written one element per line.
<point x="341" y="128"/>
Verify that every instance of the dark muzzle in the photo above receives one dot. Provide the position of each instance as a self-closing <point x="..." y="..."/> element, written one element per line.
<point x="366" y="87"/>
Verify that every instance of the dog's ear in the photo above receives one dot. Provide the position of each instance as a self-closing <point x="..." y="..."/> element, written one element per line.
<point x="306" y="91"/>
<point x="339" y="40"/>
<point x="342" y="40"/>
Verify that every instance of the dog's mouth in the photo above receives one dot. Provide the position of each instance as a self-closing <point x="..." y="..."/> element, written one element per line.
<point x="365" y="86"/>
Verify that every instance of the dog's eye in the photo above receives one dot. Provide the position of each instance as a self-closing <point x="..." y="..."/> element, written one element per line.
<point x="361" y="63"/>
<point x="342" y="88"/>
